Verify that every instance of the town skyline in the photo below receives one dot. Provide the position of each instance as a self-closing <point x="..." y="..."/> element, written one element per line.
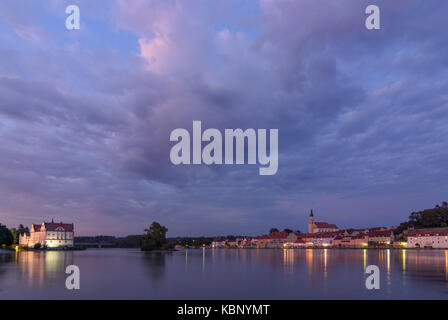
<point x="304" y="230"/>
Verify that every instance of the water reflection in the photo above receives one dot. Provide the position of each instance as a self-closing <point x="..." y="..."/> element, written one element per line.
<point x="309" y="260"/>
<point x="203" y="259"/>
<point x="214" y="274"/>
<point x="325" y="263"/>
<point x="288" y="260"/>
<point x="38" y="268"/>
<point x="446" y="265"/>
<point x="404" y="260"/>
<point x="155" y="264"/>
<point x="365" y="258"/>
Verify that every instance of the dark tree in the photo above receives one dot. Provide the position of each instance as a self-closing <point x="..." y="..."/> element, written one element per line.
<point x="15" y="235"/>
<point x="429" y="218"/>
<point x="155" y="237"/>
<point x="414" y="217"/>
<point x="288" y="231"/>
<point x="22" y="229"/>
<point x="273" y="230"/>
<point x="6" y="237"/>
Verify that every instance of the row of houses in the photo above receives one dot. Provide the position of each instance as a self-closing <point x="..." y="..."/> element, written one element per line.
<point x="324" y="234"/>
<point x="320" y="234"/>
<point x="344" y="238"/>
<point x="436" y="238"/>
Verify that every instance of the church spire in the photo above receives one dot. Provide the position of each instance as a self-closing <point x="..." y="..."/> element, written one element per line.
<point x="311" y="222"/>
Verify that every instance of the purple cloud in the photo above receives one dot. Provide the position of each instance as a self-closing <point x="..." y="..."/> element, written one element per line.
<point x="85" y="117"/>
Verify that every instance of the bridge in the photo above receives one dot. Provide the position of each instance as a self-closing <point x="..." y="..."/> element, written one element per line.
<point x="95" y="245"/>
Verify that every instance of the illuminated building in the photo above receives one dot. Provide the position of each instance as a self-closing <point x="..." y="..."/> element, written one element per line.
<point x="428" y="238"/>
<point x="218" y="243"/>
<point x="317" y="227"/>
<point x="360" y="240"/>
<point x="50" y="234"/>
<point x="379" y="238"/>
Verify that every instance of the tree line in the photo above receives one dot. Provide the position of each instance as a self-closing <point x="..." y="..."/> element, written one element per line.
<point x="9" y="237"/>
<point x="436" y="217"/>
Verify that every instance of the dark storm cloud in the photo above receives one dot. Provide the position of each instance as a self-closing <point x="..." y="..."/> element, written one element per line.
<point x="85" y="119"/>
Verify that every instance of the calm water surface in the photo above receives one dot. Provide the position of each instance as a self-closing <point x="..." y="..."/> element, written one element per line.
<point x="225" y="274"/>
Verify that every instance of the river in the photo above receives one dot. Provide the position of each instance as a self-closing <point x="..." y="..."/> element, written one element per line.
<point x="225" y="274"/>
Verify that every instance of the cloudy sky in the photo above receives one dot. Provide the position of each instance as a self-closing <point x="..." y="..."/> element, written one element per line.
<point x="85" y="115"/>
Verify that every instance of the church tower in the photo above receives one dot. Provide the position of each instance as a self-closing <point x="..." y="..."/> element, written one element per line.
<point x="311" y="223"/>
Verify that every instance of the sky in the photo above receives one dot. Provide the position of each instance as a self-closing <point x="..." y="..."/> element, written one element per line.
<point x="86" y="115"/>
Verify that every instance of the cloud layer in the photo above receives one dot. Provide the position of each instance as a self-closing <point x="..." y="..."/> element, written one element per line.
<point x="85" y="116"/>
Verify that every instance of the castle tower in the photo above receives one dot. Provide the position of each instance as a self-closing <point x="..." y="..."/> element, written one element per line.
<point x="311" y="223"/>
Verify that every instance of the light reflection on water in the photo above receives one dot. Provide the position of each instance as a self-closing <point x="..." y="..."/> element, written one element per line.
<point x="226" y="274"/>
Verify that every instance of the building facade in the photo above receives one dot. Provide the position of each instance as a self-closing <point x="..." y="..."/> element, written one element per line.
<point x="273" y="240"/>
<point x="357" y="241"/>
<point x="321" y="239"/>
<point x="218" y="243"/>
<point x="378" y="238"/>
<point x="428" y="238"/>
<point x="49" y="234"/>
<point x="319" y="227"/>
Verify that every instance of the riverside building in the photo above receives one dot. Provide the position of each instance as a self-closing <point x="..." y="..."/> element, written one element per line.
<point x="50" y="234"/>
